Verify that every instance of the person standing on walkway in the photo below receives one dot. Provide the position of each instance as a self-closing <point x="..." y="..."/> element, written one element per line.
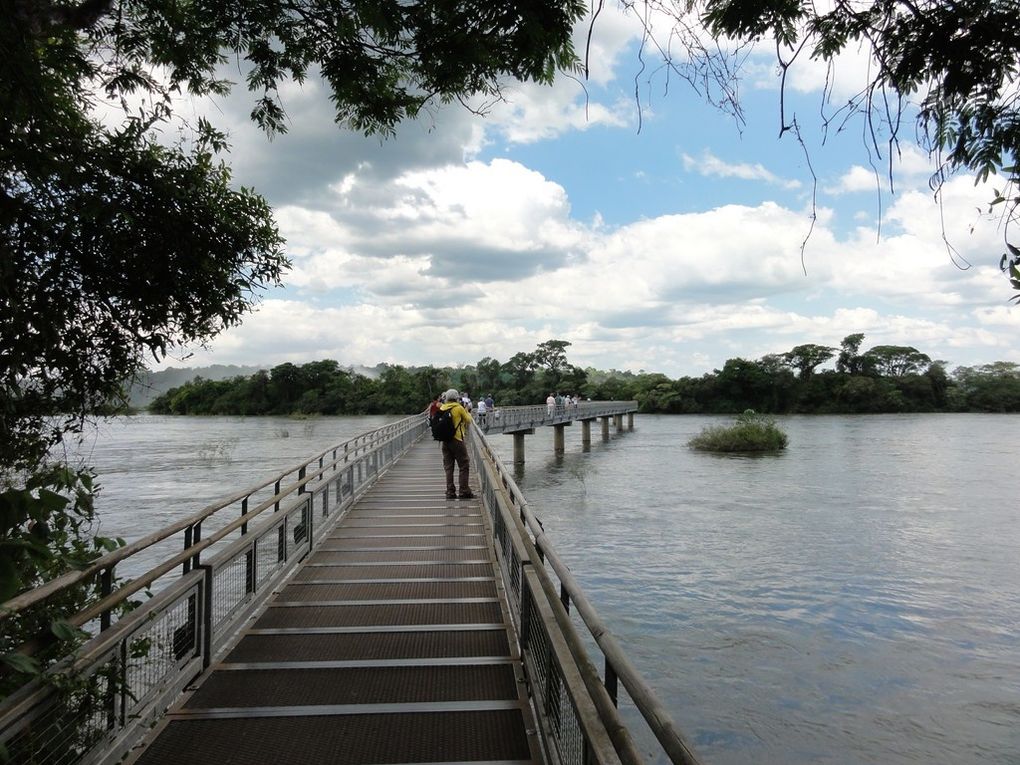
<point x="454" y="449"/>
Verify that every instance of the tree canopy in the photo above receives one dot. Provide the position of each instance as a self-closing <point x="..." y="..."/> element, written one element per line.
<point x="887" y="379"/>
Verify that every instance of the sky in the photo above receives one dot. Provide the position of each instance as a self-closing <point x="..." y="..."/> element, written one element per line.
<point x="624" y="214"/>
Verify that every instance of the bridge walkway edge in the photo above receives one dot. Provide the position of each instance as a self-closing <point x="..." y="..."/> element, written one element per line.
<point x="390" y="644"/>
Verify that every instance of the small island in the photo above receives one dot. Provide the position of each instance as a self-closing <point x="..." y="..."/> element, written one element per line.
<point x="752" y="432"/>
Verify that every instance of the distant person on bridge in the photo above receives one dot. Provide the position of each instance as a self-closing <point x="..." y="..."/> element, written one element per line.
<point x="454" y="449"/>
<point x="550" y="405"/>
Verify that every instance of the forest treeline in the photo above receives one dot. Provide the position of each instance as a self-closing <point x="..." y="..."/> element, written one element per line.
<point x="809" y="378"/>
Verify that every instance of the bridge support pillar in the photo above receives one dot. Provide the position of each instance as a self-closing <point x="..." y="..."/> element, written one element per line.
<point x="585" y="432"/>
<point x="618" y="421"/>
<point x="519" y="448"/>
<point x="518" y="445"/>
<point x="630" y="421"/>
<point x="558" y="446"/>
<point x="605" y="428"/>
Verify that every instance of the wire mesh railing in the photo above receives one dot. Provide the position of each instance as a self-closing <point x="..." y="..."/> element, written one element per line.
<point x="98" y="700"/>
<point x="576" y="704"/>
<point x="507" y="419"/>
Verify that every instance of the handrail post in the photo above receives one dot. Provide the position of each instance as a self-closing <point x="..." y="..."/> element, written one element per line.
<point x="188" y="533"/>
<point x="196" y="539"/>
<point x="612" y="686"/>
<point x="105" y="588"/>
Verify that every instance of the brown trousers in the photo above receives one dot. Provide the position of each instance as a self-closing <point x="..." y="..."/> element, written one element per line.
<point x="456" y="451"/>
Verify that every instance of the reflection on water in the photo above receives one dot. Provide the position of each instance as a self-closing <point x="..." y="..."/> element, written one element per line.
<point x="855" y="599"/>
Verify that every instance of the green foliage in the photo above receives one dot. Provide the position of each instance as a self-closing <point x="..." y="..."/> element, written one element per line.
<point x="883" y="379"/>
<point x="806" y="358"/>
<point x="47" y="528"/>
<point x="989" y="387"/>
<point x="752" y="432"/>
<point x="895" y="360"/>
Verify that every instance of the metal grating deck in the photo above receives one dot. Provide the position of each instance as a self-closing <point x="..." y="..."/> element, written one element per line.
<point x="389" y="645"/>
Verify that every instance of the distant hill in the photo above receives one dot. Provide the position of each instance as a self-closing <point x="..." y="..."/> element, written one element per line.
<point x="152" y="384"/>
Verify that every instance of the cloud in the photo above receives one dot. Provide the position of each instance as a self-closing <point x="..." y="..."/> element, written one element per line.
<point x="428" y="249"/>
<point x="425" y="232"/>
<point x="909" y="168"/>
<point x="710" y="165"/>
<point x="487" y="253"/>
<point x="856" y="179"/>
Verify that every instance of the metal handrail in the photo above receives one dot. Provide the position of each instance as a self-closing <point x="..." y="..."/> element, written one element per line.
<point x="128" y="673"/>
<point x="360" y="443"/>
<point x="617" y="663"/>
<point x="509" y="418"/>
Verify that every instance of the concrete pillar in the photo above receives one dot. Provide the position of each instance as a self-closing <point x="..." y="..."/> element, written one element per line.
<point x="585" y="432"/>
<point x="618" y="421"/>
<point x="630" y="421"/>
<point x="605" y="428"/>
<point x="558" y="447"/>
<point x="519" y="448"/>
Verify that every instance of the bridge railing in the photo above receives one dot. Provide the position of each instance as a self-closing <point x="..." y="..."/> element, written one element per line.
<point x="92" y="705"/>
<point x="507" y="419"/>
<point x="575" y="701"/>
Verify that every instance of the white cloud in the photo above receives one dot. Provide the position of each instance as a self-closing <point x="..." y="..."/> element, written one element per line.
<point x="392" y="272"/>
<point x="856" y="179"/>
<point x="710" y="165"/>
<point x="422" y="250"/>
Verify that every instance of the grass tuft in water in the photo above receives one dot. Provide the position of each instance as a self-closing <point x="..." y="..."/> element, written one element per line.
<point x="752" y="432"/>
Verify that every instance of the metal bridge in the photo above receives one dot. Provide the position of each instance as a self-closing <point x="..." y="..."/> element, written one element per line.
<point x="345" y="612"/>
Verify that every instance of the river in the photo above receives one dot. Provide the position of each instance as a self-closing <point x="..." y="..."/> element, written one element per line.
<point x="855" y="599"/>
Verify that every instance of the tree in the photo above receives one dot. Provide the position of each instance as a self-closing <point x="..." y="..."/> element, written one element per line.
<point x="849" y="361"/>
<point x="119" y="245"/>
<point x="552" y="354"/>
<point x="990" y="387"/>
<point x="957" y="59"/>
<point x="520" y="368"/>
<point x="896" y="360"/>
<point x="805" y="358"/>
<point x="488" y="370"/>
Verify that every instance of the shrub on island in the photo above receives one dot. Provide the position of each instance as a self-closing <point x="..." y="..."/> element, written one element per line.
<point x="752" y="432"/>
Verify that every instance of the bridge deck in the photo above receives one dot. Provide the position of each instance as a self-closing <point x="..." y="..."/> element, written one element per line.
<point x="389" y="645"/>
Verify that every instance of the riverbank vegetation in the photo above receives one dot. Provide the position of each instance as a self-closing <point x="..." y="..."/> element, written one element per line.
<point x="752" y="432"/>
<point x="808" y="379"/>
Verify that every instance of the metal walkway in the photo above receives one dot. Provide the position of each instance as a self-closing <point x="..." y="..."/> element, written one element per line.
<point x="342" y="611"/>
<point x="390" y="644"/>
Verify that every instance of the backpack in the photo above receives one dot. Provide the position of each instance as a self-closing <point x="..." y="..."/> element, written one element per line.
<point x="442" y="425"/>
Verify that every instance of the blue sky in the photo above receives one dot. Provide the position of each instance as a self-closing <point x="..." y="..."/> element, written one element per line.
<point x="668" y="249"/>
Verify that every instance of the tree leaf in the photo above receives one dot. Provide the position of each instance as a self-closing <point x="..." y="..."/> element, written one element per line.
<point x="64" y="630"/>
<point x="21" y="663"/>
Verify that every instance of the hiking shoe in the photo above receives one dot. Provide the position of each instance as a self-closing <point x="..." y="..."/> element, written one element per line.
<point x="466" y="495"/>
